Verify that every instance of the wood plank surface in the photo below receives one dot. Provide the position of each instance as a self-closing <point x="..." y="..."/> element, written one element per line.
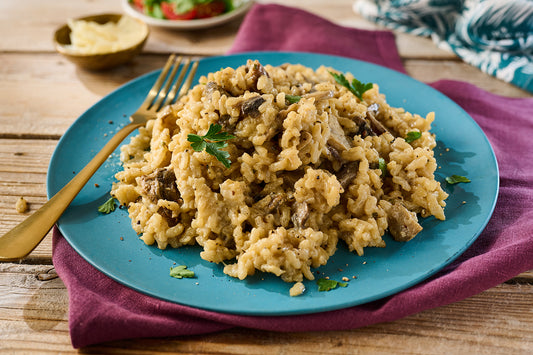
<point x="33" y="319"/>
<point x="41" y="94"/>
<point x="34" y="33"/>
<point x="33" y="313"/>
<point x="60" y="92"/>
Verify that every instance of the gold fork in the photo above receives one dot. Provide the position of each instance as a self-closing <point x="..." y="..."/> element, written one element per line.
<point x="21" y="240"/>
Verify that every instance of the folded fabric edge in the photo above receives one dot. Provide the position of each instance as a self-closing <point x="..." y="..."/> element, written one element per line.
<point x="267" y="21"/>
<point x="515" y="69"/>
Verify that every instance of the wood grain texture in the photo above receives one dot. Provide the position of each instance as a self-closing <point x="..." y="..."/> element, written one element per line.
<point x="33" y="319"/>
<point x="23" y="167"/>
<point x="34" y="33"/>
<point x="41" y="94"/>
<point x="60" y="92"/>
<point x="33" y="312"/>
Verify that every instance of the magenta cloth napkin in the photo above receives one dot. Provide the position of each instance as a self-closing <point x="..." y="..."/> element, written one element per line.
<point x="103" y="310"/>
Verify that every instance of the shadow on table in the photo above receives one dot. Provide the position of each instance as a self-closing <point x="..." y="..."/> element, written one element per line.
<point x="50" y="297"/>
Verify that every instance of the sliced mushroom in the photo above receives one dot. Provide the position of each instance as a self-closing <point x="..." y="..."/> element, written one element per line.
<point x="403" y="224"/>
<point x="364" y="127"/>
<point x="337" y="138"/>
<point x="211" y="87"/>
<point x="320" y="95"/>
<point x="250" y="107"/>
<point x="300" y="214"/>
<point x="305" y="139"/>
<point x="283" y="113"/>
<point x="167" y="215"/>
<point x="377" y="126"/>
<point x="348" y="172"/>
<point x="161" y="184"/>
<point x="256" y="70"/>
<point x="290" y="177"/>
<point x="333" y="154"/>
<point x="271" y="202"/>
<point x="228" y="123"/>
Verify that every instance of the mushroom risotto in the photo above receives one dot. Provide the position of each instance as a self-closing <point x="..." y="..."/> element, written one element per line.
<point x="309" y="163"/>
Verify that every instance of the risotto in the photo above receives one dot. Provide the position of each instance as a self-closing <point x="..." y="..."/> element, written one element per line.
<point x="311" y="163"/>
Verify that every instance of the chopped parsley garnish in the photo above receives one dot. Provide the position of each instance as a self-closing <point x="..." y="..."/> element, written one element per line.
<point x="292" y="99"/>
<point x="412" y="136"/>
<point x="181" y="271"/>
<point x="454" y="179"/>
<point x="382" y="167"/>
<point x="108" y="206"/>
<point x="212" y="142"/>
<point x="356" y="87"/>
<point x="327" y="284"/>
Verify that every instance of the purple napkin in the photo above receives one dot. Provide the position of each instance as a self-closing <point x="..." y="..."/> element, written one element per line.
<point x="103" y="310"/>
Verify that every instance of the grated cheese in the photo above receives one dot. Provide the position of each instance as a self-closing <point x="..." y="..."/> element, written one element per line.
<point x="89" y="37"/>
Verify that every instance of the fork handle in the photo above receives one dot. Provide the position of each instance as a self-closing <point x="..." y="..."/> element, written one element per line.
<point x="21" y="240"/>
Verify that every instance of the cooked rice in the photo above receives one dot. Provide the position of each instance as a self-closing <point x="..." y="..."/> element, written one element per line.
<point x="287" y="197"/>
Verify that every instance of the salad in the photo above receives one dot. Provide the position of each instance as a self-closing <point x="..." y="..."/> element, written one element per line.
<point x="183" y="9"/>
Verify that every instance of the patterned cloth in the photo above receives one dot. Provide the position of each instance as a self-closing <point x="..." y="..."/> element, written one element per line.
<point x="496" y="36"/>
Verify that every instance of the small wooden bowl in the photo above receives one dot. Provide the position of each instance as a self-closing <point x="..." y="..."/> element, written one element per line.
<point x="102" y="60"/>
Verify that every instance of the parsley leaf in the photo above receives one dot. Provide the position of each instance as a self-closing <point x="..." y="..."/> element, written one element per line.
<point x="108" y="206"/>
<point x="356" y="87"/>
<point x="214" y="134"/>
<point x="412" y="136"/>
<point x="327" y="284"/>
<point x="454" y="179"/>
<point x="383" y="167"/>
<point x="292" y="99"/>
<point x="212" y="142"/>
<point x="181" y="271"/>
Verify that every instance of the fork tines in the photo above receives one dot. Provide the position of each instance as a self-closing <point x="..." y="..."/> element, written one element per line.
<point x="165" y="89"/>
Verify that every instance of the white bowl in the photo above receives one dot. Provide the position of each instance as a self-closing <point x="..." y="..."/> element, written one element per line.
<point x="189" y="24"/>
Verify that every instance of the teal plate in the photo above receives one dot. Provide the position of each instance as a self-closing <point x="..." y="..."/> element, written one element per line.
<point x="109" y="243"/>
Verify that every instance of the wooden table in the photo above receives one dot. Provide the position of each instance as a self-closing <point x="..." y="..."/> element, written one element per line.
<point x="41" y="94"/>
